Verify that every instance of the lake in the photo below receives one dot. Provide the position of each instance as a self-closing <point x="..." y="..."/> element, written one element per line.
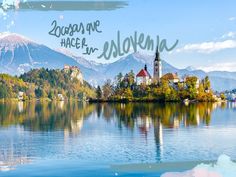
<point x="82" y="139"/>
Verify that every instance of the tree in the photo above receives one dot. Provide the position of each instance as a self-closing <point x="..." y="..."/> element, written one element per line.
<point x="107" y="89"/>
<point x="119" y="79"/>
<point x="191" y="83"/>
<point x="131" y="77"/>
<point x="165" y="89"/>
<point x="128" y="94"/>
<point x="30" y="92"/>
<point x="201" y="92"/>
<point x="99" y="92"/>
<point x="222" y="96"/>
<point x="3" y="91"/>
<point x="38" y="92"/>
<point x="207" y="83"/>
<point x="51" y="95"/>
<point x="173" y="96"/>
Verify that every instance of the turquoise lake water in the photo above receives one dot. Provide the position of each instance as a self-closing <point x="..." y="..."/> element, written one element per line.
<point x="81" y="139"/>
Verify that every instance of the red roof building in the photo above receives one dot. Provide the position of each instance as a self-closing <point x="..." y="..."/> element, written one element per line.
<point x="143" y="77"/>
<point x="143" y="73"/>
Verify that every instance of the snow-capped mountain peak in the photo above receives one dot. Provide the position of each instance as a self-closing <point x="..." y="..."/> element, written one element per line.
<point x="13" y="39"/>
<point x="19" y="54"/>
<point x="66" y="52"/>
<point x="191" y="68"/>
<point x="87" y="63"/>
<point x="148" y="59"/>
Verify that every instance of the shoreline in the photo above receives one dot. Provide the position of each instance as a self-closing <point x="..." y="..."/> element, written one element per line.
<point x="152" y="101"/>
<point x="111" y="101"/>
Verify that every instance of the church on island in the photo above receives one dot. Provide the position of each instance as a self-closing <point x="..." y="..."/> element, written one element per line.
<point x="144" y="78"/>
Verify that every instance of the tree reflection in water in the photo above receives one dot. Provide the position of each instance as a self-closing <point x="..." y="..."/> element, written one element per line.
<point x="159" y="116"/>
<point x="69" y="117"/>
<point x="45" y="117"/>
<point x="51" y="116"/>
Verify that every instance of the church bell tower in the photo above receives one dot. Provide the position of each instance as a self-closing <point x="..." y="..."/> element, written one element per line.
<point x="157" y="70"/>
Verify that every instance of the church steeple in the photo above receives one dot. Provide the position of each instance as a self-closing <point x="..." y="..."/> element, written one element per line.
<point x="145" y="67"/>
<point x="157" y="58"/>
<point x="157" y="69"/>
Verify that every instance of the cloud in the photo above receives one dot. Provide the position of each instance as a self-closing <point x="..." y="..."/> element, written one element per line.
<point x="194" y="173"/>
<point x="224" y="167"/>
<point x="208" y="47"/>
<point x="230" y="34"/>
<point x="229" y="66"/>
<point x="232" y="18"/>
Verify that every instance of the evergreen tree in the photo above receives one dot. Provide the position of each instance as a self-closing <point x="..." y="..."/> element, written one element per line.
<point x="3" y="91"/>
<point x="98" y="92"/>
<point x="207" y="83"/>
<point x="119" y="79"/>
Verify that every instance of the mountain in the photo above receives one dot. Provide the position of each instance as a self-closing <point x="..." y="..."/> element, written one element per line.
<point x="82" y="61"/>
<point x="220" y="81"/>
<point x="190" y="68"/>
<point x="223" y="74"/>
<point x="20" y="54"/>
<point x="135" y="62"/>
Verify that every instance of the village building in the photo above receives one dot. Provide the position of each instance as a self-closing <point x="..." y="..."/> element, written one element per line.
<point x="143" y="77"/>
<point x="198" y="83"/>
<point x="20" y="96"/>
<point x="171" y="77"/>
<point x="231" y="96"/>
<point x="60" y="97"/>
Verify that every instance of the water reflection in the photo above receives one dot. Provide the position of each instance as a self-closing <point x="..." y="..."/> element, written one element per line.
<point x="45" y="117"/>
<point x="158" y="134"/>
<point x="171" y="115"/>
<point x="69" y="118"/>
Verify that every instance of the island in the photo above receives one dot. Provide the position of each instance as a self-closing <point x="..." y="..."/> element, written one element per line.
<point x="68" y="84"/>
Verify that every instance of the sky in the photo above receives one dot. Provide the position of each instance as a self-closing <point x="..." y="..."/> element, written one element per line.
<point x="206" y="30"/>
